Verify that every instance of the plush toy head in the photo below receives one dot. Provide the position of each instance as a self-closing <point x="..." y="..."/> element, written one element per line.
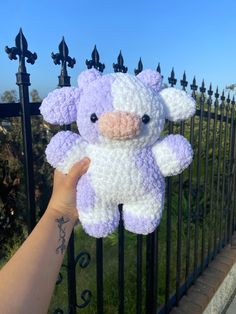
<point x="125" y="110"/>
<point x="120" y="118"/>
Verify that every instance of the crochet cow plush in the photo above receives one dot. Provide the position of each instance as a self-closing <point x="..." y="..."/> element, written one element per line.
<point x="120" y="118"/>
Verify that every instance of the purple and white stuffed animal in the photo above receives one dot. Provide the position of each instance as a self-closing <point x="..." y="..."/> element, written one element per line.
<point x="120" y="118"/>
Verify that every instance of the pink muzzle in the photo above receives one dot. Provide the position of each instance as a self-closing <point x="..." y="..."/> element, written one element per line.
<point x="119" y="125"/>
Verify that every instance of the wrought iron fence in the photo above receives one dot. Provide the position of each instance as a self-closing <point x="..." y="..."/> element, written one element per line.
<point x="199" y="216"/>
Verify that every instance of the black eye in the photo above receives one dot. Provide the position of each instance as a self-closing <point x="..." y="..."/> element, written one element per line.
<point x="93" y="117"/>
<point x="145" y="119"/>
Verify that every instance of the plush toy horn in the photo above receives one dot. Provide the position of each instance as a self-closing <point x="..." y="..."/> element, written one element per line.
<point x="152" y="79"/>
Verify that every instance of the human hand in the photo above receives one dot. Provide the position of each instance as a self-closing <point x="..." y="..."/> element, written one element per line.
<point x="63" y="199"/>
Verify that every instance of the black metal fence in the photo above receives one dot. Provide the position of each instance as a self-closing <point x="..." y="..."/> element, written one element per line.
<point x="152" y="272"/>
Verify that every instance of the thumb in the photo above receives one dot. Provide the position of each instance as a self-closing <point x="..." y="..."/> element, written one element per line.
<point x="77" y="171"/>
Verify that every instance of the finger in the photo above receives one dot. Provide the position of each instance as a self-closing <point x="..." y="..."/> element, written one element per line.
<point x="77" y="171"/>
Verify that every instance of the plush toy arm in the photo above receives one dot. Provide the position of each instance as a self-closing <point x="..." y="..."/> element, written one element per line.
<point x="173" y="154"/>
<point x="64" y="150"/>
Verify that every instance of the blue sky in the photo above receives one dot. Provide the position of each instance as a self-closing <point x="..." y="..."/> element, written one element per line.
<point x="196" y="36"/>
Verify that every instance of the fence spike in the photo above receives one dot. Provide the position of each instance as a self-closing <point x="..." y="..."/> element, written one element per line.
<point x="228" y="99"/>
<point x="21" y="50"/>
<point x="119" y="66"/>
<point x="202" y="88"/>
<point x="217" y="93"/>
<point x="184" y="82"/>
<point x="233" y="101"/>
<point x="159" y="68"/>
<point x="210" y="91"/>
<point x="172" y="80"/>
<point x="140" y="67"/>
<point x="63" y="58"/>
<point x="222" y="98"/>
<point x="95" y="61"/>
<point x="194" y="87"/>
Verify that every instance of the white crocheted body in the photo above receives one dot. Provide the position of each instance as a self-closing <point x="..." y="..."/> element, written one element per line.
<point x="113" y="172"/>
<point x="115" y="175"/>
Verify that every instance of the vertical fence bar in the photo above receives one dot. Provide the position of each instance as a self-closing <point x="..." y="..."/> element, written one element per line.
<point x="231" y="167"/>
<point x="197" y="213"/>
<point x="233" y="195"/>
<point x="23" y="81"/>
<point x="71" y="277"/>
<point x="224" y="210"/>
<point x="139" y="274"/>
<point x="179" y="231"/>
<point x="234" y="174"/>
<point x="217" y="240"/>
<point x="95" y="62"/>
<point x="155" y="268"/>
<point x="206" y="195"/>
<point x="212" y="190"/>
<point x="64" y="80"/>
<point x="139" y="236"/>
<point x="149" y="274"/>
<point x="184" y="84"/>
<point x="99" y="268"/>
<point x="172" y="82"/>
<point x="222" y="176"/>
<point x="121" y="278"/>
<point x="193" y="87"/>
<point x="168" y="235"/>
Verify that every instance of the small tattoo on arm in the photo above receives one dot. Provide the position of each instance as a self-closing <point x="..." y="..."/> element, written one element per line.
<point x="62" y="234"/>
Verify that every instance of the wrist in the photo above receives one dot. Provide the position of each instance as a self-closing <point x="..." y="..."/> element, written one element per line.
<point x="56" y="213"/>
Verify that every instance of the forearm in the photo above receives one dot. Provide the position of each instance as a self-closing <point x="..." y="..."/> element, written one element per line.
<point x="36" y="264"/>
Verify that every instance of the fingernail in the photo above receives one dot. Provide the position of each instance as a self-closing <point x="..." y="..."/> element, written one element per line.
<point x="85" y="160"/>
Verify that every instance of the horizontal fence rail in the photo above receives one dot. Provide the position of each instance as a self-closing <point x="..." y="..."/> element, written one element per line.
<point x="199" y="215"/>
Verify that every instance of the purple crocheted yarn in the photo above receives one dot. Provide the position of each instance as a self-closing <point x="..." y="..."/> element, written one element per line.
<point x="85" y="194"/>
<point x="152" y="180"/>
<point x="140" y="225"/>
<point x="59" y="107"/>
<point x="151" y="78"/>
<point x="102" y="229"/>
<point x="86" y="77"/>
<point x="59" y="145"/>
<point x="96" y="98"/>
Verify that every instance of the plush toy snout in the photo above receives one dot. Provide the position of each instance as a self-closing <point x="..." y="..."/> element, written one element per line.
<point x="119" y="125"/>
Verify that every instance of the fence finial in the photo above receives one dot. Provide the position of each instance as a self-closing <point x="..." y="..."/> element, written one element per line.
<point x="21" y="50"/>
<point x="194" y="87"/>
<point x="94" y="62"/>
<point x="228" y="101"/>
<point x="202" y="88"/>
<point x="210" y="91"/>
<point x="222" y="98"/>
<point x="184" y="82"/>
<point x="233" y="101"/>
<point x="172" y="80"/>
<point x="119" y="66"/>
<point x="140" y="67"/>
<point x="159" y="68"/>
<point x="63" y="58"/>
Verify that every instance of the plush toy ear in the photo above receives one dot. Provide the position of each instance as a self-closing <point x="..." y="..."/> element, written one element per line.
<point x="151" y="79"/>
<point x="87" y="77"/>
<point x="178" y="104"/>
<point x="59" y="107"/>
